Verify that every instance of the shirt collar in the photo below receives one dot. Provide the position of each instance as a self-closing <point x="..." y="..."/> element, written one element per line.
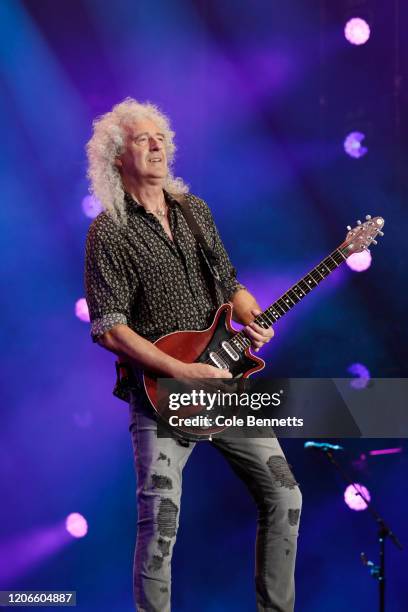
<point x="134" y="207"/>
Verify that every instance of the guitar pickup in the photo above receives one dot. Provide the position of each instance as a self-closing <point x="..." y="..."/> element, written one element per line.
<point x="220" y="363"/>
<point x="230" y="351"/>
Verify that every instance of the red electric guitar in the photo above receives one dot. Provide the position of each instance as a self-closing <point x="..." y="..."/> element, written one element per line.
<point x="223" y="347"/>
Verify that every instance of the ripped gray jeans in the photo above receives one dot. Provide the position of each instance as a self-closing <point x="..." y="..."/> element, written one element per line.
<point x="261" y="465"/>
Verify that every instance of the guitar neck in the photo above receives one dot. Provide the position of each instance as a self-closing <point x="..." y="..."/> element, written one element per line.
<point x="295" y="294"/>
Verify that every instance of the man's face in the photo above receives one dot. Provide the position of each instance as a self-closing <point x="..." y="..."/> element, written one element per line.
<point x="144" y="156"/>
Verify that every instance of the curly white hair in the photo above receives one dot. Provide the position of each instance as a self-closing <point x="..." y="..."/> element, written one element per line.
<point x="107" y="143"/>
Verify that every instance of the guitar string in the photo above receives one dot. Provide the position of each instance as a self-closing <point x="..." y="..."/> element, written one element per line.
<point x="242" y="338"/>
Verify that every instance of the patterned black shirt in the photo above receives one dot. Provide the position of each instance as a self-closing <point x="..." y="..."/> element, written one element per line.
<point x="136" y="275"/>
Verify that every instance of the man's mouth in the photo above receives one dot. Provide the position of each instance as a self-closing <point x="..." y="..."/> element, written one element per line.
<point x="155" y="160"/>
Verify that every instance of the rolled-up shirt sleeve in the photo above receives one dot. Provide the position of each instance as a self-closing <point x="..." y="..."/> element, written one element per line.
<point x="227" y="272"/>
<point x="106" y="283"/>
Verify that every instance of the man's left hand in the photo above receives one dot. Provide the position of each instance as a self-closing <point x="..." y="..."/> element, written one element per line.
<point x="257" y="334"/>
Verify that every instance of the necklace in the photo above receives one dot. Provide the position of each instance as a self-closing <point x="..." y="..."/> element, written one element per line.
<point x="159" y="211"/>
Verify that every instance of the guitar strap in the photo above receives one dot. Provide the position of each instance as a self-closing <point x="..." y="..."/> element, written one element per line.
<point x="207" y="252"/>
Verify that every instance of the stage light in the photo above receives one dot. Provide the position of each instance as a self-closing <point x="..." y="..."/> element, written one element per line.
<point x="362" y="374"/>
<point x="23" y="553"/>
<point x="353" y="499"/>
<point x="357" y="31"/>
<point x="358" y="262"/>
<point x="386" y="451"/>
<point x="353" y="145"/>
<point x="76" y="525"/>
<point x="81" y="310"/>
<point x="91" y="206"/>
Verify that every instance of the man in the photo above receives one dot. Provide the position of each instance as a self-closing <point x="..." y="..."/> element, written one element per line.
<point x="145" y="277"/>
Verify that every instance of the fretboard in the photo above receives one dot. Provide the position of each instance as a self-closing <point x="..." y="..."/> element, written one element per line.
<point x="293" y="296"/>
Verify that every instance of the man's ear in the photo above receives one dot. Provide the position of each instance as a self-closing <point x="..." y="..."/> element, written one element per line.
<point x="118" y="162"/>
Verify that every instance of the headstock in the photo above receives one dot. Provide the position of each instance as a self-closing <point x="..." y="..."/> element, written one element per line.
<point x="362" y="236"/>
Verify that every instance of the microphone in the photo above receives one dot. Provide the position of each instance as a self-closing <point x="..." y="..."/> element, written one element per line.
<point x="323" y="446"/>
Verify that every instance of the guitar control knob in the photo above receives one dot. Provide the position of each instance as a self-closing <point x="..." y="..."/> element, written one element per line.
<point x="359" y="222"/>
<point x="348" y="228"/>
<point x="368" y="217"/>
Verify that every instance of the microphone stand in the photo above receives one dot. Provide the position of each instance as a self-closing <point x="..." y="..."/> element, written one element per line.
<point x="377" y="571"/>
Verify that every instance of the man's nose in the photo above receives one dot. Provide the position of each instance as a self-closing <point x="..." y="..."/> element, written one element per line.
<point x="154" y="144"/>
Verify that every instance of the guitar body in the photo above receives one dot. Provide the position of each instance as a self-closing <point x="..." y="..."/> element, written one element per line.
<point x="221" y="346"/>
<point x="198" y="346"/>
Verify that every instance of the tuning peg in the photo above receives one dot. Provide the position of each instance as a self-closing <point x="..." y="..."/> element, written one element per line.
<point x="348" y="228"/>
<point x="373" y="242"/>
<point x="381" y="233"/>
<point x="359" y="222"/>
<point x="368" y="217"/>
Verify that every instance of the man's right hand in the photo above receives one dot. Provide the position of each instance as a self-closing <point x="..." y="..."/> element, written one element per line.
<point x="200" y="370"/>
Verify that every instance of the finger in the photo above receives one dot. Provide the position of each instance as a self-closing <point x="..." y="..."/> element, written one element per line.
<point x="266" y="334"/>
<point x="225" y="374"/>
<point x="264" y="320"/>
<point x="254" y="335"/>
<point x="264" y="331"/>
<point x="220" y="373"/>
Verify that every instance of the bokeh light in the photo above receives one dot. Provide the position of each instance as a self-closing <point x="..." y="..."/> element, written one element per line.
<point x="81" y="310"/>
<point x="353" y="145"/>
<point x="76" y="525"/>
<point x="353" y="499"/>
<point x="91" y="206"/>
<point x="362" y="374"/>
<point x="357" y="31"/>
<point x="358" y="262"/>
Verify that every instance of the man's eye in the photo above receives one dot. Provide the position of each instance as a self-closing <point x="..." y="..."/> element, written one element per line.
<point x="141" y="139"/>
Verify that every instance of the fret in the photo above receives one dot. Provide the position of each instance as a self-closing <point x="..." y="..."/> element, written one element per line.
<point x="319" y="275"/>
<point x="260" y="320"/>
<point x="292" y="294"/>
<point x="311" y="281"/>
<point x="270" y="320"/>
<point x="235" y="342"/>
<point x="298" y="291"/>
<point x="330" y="263"/>
<point x="282" y="304"/>
<point x="246" y="341"/>
<point x="274" y="313"/>
<point x="271" y="315"/>
<point x="239" y="342"/>
<point x="316" y="277"/>
<point x="338" y="256"/>
<point x="342" y="255"/>
<point x="288" y="300"/>
<point x="279" y="308"/>
<point x="304" y="286"/>
<point x="323" y="269"/>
